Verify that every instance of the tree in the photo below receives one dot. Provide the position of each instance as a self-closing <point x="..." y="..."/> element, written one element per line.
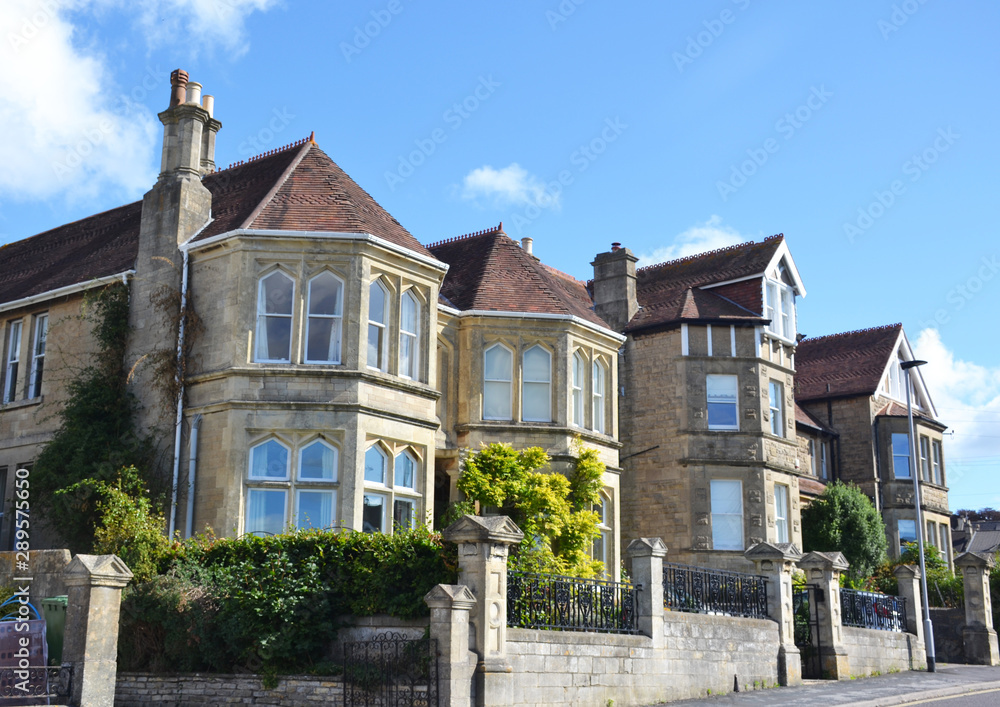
<point x="555" y="512"/>
<point x="844" y="519"/>
<point x="981" y="514"/>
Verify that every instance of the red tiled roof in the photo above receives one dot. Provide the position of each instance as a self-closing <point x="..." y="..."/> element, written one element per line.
<point x="662" y="289"/>
<point x="894" y="409"/>
<point x="851" y="363"/>
<point x="811" y="487"/>
<point x="804" y="417"/>
<point x="297" y="188"/>
<point x="488" y="271"/>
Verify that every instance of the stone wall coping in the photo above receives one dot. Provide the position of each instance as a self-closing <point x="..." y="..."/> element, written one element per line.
<point x="975" y="559"/>
<point x="824" y="560"/>
<point x="473" y="529"/>
<point x="381" y="621"/>
<point x="97" y="571"/>
<point x="739" y="621"/>
<point x="646" y="547"/>
<point x="786" y="552"/>
<point x="448" y="596"/>
<point x="907" y="572"/>
<point x="578" y="638"/>
<point x="122" y="675"/>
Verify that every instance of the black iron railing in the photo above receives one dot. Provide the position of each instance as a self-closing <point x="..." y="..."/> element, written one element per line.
<point x="707" y="591"/>
<point x="35" y="684"/>
<point x="552" y="601"/>
<point x="391" y="670"/>
<point x="870" y="610"/>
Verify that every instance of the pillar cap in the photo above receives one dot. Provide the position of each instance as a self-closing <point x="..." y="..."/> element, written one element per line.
<point x="824" y="560"/>
<point x="97" y="571"/>
<point x="777" y="552"/>
<point x="907" y="572"/>
<point x="494" y="529"/>
<point x="450" y="596"/>
<point x="975" y="559"/>
<point x="646" y="547"/>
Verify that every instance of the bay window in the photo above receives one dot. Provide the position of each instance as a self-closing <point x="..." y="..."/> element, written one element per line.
<point x="776" y="393"/>
<point x="938" y="463"/>
<point x="409" y="337"/>
<point x="579" y="366"/>
<point x="600" y="377"/>
<point x="781" y="512"/>
<point x="498" y="362"/>
<point x="779" y="305"/>
<point x="536" y="380"/>
<point x="901" y="455"/>
<point x="925" y="459"/>
<point x="394" y="491"/>
<point x="325" y="317"/>
<point x="377" y="299"/>
<point x="275" y="294"/>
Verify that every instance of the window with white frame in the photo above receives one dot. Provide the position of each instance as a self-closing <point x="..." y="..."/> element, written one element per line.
<point x="378" y="299"/>
<point x="392" y="491"/>
<point x="925" y="458"/>
<point x="599" y="383"/>
<point x="901" y="455"/>
<point x="325" y="318"/>
<point x="721" y="398"/>
<point x="938" y="463"/>
<point x="579" y="366"/>
<point x="907" y="530"/>
<point x="944" y="544"/>
<point x="781" y="512"/>
<point x="38" y="355"/>
<point x="409" y="335"/>
<point x="536" y="385"/>
<point x="12" y="358"/>
<point x="498" y="364"/>
<point x="776" y="395"/>
<point x="275" y="295"/>
<point x="602" y="543"/>
<point x="779" y="304"/>
<point x="823" y="469"/>
<point x="813" y="457"/>
<point x="315" y="493"/>
<point x="267" y="506"/>
<point x="727" y="515"/>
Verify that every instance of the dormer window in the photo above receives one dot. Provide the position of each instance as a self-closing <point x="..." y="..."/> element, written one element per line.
<point x="779" y="304"/>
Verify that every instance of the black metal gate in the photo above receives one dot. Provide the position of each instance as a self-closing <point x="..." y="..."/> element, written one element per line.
<point x="805" y="610"/>
<point x="391" y="670"/>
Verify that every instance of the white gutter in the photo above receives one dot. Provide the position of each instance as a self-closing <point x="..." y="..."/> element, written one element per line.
<point x="64" y="291"/>
<point x="324" y="235"/>
<point x="535" y="315"/>
<point x="192" y="469"/>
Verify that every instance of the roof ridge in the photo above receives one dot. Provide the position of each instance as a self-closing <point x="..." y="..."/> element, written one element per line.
<point x="278" y="183"/>
<point x="735" y="246"/>
<point x="495" y="229"/>
<point x="883" y="327"/>
<point x="270" y="153"/>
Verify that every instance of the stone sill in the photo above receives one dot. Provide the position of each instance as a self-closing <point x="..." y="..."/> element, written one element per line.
<point x="18" y="404"/>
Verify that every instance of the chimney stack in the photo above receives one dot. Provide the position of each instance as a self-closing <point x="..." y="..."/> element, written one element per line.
<point x="188" y="130"/>
<point x="614" y="286"/>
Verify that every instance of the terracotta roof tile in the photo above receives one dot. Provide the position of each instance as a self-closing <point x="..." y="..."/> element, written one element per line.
<point x="804" y="417"/>
<point x="489" y="271"/>
<point x="851" y="363"/>
<point x="690" y="305"/>
<point x="811" y="487"/>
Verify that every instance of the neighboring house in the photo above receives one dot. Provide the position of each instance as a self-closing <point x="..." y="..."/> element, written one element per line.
<point x="338" y="365"/>
<point x="982" y="536"/>
<point x="711" y="460"/>
<point x="853" y="383"/>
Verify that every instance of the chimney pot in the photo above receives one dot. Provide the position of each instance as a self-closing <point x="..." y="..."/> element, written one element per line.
<point x="178" y="84"/>
<point x="208" y="103"/>
<point x="526" y="244"/>
<point x="615" y="246"/>
<point x="193" y="93"/>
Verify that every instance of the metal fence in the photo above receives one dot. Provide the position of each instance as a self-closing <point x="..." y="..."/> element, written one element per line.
<point x="882" y="612"/>
<point x="707" y="591"/>
<point x="36" y="685"/>
<point x="551" y="601"/>
<point x="391" y="670"/>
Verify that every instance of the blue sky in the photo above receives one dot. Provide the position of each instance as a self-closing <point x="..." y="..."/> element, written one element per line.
<point x="864" y="131"/>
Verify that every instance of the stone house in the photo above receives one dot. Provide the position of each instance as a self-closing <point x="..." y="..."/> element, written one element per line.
<point x="338" y="365"/>
<point x="853" y="383"/>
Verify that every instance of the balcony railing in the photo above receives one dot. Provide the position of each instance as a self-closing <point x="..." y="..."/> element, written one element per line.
<point x="882" y="612"/>
<point x="554" y="602"/>
<point x="707" y="591"/>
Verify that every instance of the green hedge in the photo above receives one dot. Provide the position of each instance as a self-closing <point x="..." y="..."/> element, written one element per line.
<point x="268" y="605"/>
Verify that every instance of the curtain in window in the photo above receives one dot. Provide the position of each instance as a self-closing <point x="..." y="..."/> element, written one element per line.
<point x="598" y="396"/>
<point x="269" y="461"/>
<point x="497" y="365"/>
<point x="274" y="318"/>
<point x="405" y="471"/>
<point x="578" y="369"/>
<point x="375" y="465"/>
<point x="265" y="511"/>
<point x="323" y="333"/>
<point x="727" y="515"/>
<point x="721" y="402"/>
<point x="781" y="512"/>
<point x="318" y="461"/>
<point x="315" y="509"/>
<point x="408" y="323"/>
<point x="403" y="514"/>
<point x="537" y="374"/>
<point x="376" y="325"/>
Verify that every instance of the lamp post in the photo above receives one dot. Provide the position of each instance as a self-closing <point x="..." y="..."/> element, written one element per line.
<point x="915" y="473"/>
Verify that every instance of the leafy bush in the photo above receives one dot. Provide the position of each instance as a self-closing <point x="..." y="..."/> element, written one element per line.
<point x="844" y="519"/>
<point x="273" y="604"/>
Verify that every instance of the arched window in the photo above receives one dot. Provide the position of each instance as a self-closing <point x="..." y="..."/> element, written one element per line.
<point x="315" y="501"/>
<point x="579" y="367"/>
<point x="536" y="397"/>
<point x="269" y="460"/>
<point x="404" y="504"/>
<point x="267" y="507"/>
<point x="600" y="378"/>
<point x="275" y="295"/>
<point x="498" y="364"/>
<point x="409" y="336"/>
<point x="375" y="463"/>
<point x="377" y="300"/>
<point x="323" y="325"/>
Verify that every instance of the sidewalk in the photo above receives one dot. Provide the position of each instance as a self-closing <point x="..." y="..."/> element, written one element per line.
<point x="895" y="689"/>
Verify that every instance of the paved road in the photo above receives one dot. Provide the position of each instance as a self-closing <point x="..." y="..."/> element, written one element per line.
<point x="897" y="689"/>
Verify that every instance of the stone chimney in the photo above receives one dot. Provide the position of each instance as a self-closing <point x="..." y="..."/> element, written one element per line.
<point x="614" y="286"/>
<point x="188" y="130"/>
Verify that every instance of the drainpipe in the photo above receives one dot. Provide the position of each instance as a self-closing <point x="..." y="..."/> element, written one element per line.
<point x="180" y="393"/>
<point x="192" y="468"/>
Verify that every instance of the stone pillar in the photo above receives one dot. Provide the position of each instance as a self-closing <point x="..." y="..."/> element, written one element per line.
<point x="647" y="572"/>
<point x="823" y="571"/>
<point x="94" y="584"/>
<point x="483" y="543"/>
<point x="450" y="605"/>
<point x="908" y="579"/>
<point x="978" y="634"/>
<point x="776" y="562"/>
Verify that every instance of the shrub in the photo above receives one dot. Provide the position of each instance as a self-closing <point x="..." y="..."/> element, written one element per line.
<point x="844" y="519"/>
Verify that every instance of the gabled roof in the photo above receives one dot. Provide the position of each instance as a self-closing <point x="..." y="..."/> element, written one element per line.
<point x="490" y="272"/>
<point x="844" y="365"/>
<point x="681" y="289"/>
<point x="296" y="188"/>
<point x="805" y="418"/>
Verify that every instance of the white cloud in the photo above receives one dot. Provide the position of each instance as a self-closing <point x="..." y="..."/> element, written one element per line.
<point x="67" y="129"/>
<point x="510" y="185"/>
<point x="967" y="398"/>
<point x="700" y="238"/>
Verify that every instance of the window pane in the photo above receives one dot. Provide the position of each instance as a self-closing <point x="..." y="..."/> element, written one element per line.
<point x="408" y="316"/>
<point x="323" y="342"/>
<point x="315" y="509"/>
<point x="376" y="303"/>
<point x="325" y="295"/>
<point x="776" y="394"/>
<point x="781" y="512"/>
<point x="598" y="384"/>
<point x="722" y="415"/>
<point x="498" y="362"/>
<point x="721" y="388"/>
<point x="721" y="402"/>
<point x="727" y="497"/>
<point x="269" y="461"/>
<point x="404" y="514"/>
<point x="375" y="465"/>
<point x="907" y="531"/>
<point x="275" y="343"/>
<point x="405" y="472"/>
<point x="407" y="359"/>
<point x="901" y="455"/>
<point x="496" y="401"/>
<point x="265" y="511"/>
<point x="578" y="368"/>
<point x="727" y="532"/>
<point x="276" y="291"/>
<point x="536" y="402"/>
<point x="536" y="364"/>
<point x="373" y="513"/>
<point x="318" y="461"/>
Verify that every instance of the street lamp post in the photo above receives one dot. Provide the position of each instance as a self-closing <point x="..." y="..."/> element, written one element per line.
<point x="915" y="473"/>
